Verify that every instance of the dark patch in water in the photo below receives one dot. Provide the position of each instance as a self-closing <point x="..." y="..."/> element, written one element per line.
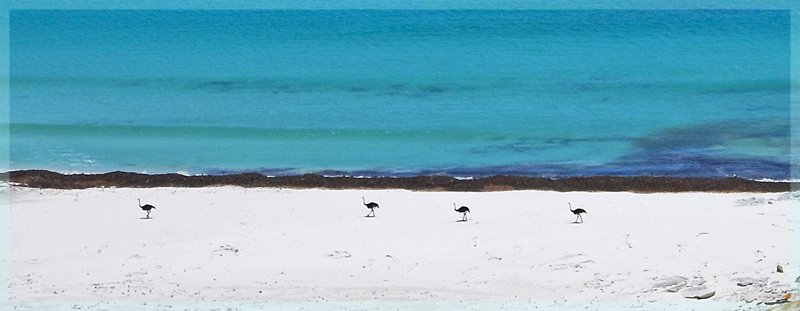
<point x="700" y="150"/>
<point x="130" y="83"/>
<point x="565" y="142"/>
<point x="593" y="84"/>
<point x="709" y="135"/>
<point x="219" y="85"/>
<point x="358" y="89"/>
<point x="531" y="145"/>
<point x="697" y="165"/>
<point x="434" y="88"/>
<point x="742" y="87"/>
<point x="692" y="151"/>
<point x="290" y="86"/>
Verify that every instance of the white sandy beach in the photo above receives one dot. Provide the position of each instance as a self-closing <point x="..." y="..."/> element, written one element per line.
<point x="285" y="245"/>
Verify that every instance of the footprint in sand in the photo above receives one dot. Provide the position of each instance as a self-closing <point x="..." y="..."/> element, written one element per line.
<point x="570" y="261"/>
<point x="693" y="287"/>
<point x="492" y="257"/>
<point x="600" y="281"/>
<point x="226" y="249"/>
<point x="369" y="263"/>
<point x="753" y="201"/>
<point x="339" y="255"/>
<point x="760" y="255"/>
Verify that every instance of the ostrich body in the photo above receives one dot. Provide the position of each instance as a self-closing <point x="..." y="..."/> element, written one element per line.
<point x="463" y="210"/>
<point x="146" y="208"/>
<point x="577" y="211"/>
<point x="371" y="206"/>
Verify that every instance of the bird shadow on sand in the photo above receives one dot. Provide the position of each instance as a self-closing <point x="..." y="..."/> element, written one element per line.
<point x="146" y="218"/>
<point x="461" y="220"/>
<point x="576" y="223"/>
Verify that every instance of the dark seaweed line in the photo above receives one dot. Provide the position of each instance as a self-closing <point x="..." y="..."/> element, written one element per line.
<point x="646" y="184"/>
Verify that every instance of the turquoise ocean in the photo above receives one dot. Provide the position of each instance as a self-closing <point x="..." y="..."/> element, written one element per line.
<point x="465" y="93"/>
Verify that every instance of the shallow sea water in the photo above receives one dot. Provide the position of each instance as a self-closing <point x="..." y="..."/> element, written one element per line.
<point x="398" y="93"/>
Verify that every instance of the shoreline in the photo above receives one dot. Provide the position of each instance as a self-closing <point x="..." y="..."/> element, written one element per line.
<point x="639" y="184"/>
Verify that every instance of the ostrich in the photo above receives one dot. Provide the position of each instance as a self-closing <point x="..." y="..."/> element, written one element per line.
<point x="463" y="210"/>
<point x="577" y="211"/>
<point x="371" y="206"/>
<point x="146" y="208"/>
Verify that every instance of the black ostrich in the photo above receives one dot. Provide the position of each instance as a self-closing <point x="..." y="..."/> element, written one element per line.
<point x="463" y="210"/>
<point x="371" y="206"/>
<point x="146" y="208"/>
<point x="577" y="211"/>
